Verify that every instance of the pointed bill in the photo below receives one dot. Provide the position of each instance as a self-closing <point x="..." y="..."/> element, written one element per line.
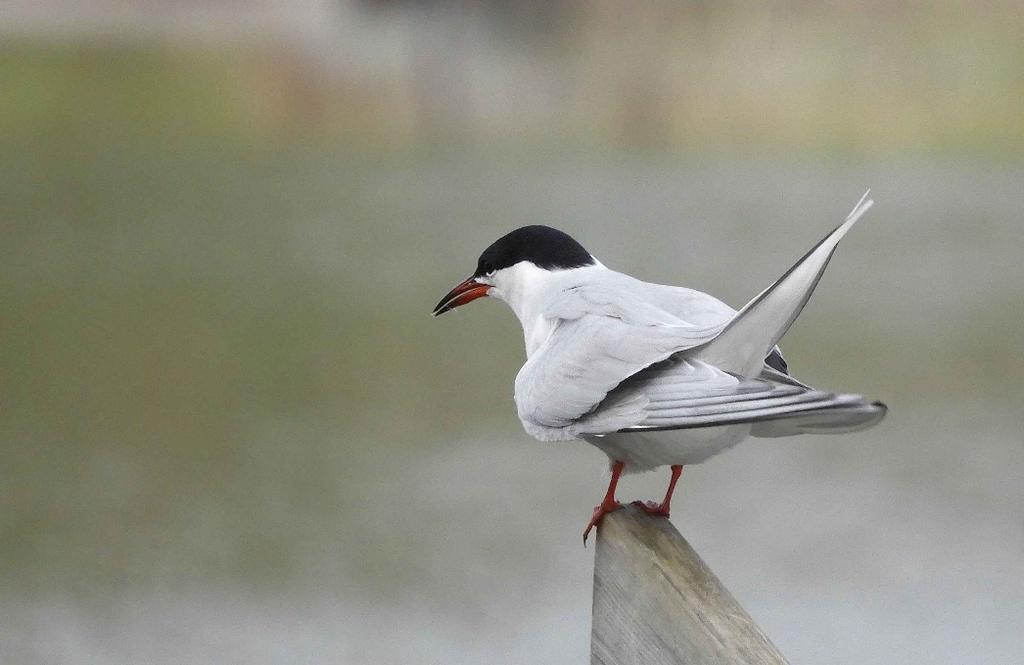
<point x="464" y="292"/>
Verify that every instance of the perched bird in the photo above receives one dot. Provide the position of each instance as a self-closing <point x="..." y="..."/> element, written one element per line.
<point x="653" y="375"/>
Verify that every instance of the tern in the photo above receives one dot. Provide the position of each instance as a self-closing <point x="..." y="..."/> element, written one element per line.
<point x="654" y="375"/>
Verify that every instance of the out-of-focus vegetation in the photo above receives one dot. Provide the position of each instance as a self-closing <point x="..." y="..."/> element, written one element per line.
<point x="220" y="376"/>
<point x="784" y="77"/>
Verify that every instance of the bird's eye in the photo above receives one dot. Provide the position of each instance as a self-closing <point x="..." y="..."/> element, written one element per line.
<point x="491" y="273"/>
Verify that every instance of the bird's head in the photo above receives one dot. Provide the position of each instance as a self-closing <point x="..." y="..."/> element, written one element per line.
<point x="514" y="260"/>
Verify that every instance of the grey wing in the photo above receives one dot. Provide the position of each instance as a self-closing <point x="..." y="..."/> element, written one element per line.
<point x="606" y="332"/>
<point x="681" y="393"/>
<point x="698" y="306"/>
<point x="569" y="378"/>
<point x="753" y="333"/>
<point x="603" y="334"/>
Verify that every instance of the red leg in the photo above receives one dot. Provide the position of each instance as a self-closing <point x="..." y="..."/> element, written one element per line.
<point x="666" y="503"/>
<point x="608" y="504"/>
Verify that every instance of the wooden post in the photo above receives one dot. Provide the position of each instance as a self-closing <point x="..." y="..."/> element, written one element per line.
<point x="656" y="603"/>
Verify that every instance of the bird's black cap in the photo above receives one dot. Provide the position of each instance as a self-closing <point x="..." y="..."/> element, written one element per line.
<point x="543" y="246"/>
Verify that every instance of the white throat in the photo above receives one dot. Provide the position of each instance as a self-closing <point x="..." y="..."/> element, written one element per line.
<point x="528" y="290"/>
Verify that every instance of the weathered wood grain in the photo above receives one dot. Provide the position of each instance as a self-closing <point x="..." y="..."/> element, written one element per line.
<point x="657" y="603"/>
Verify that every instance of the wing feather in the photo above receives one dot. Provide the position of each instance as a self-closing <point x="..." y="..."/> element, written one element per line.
<point x="758" y="327"/>
<point x="675" y="395"/>
<point x="624" y="355"/>
<point x="605" y="331"/>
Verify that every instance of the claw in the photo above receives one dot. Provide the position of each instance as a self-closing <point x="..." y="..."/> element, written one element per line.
<point x="599" y="513"/>
<point x="608" y="503"/>
<point x="651" y="508"/>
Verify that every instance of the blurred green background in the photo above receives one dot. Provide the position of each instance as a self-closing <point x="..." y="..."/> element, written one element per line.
<point x="231" y="432"/>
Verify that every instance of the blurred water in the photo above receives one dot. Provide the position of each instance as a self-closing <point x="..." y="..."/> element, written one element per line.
<point x="232" y="433"/>
<point x="840" y="549"/>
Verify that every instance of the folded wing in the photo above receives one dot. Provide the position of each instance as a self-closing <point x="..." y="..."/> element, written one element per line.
<point x="606" y="330"/>
<point x="584" y="359"/>
<point x="679" y="394"/>
<point x="624" y="355"/>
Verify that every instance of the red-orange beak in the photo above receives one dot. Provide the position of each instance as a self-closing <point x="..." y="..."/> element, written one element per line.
<point x="465" y="292"/>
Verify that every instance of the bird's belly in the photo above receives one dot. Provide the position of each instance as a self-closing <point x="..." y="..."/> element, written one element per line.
<point x="642" y="451"/>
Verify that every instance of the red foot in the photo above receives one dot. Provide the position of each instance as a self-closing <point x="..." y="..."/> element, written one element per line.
<point x="608" y="504"/>
<point x="651" y="508"/>
<point x="661" y="509"/>
<point x="599" y="513"/>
